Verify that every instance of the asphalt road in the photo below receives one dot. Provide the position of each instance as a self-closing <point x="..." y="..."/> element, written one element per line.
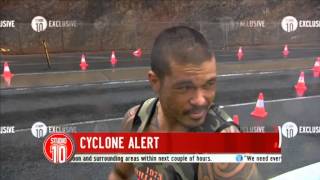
<point x="76" y="103"/>
<point x="101" y="60"/>
<point x="100" y="106"/>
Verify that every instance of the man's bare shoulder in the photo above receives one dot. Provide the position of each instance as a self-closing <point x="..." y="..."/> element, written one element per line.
<point x="129" y="117"/>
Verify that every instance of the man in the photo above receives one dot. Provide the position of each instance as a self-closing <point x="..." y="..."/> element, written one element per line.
<point x="183" y="75"/>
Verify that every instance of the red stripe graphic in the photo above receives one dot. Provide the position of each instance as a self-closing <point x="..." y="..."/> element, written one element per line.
<point x="113" y="143"/>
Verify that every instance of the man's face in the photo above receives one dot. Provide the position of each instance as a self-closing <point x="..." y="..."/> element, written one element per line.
<point x="187" y="93"/>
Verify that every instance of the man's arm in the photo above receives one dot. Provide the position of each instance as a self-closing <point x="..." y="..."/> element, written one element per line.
<point x="237" y="171"/>
<point x="123" y="171"/>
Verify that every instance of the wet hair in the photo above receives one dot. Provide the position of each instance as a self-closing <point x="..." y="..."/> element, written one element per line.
<point x="180" y="44"/>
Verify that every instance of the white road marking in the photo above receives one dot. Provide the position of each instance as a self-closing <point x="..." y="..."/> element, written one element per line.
<point x="76" y="71"/>
<point x="272" y="101"/>
<point x="79" y="85"/>
<point x="248" y="74"/>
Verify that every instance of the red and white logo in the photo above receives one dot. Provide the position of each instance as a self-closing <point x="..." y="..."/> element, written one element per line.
<point x="58" y="148"/>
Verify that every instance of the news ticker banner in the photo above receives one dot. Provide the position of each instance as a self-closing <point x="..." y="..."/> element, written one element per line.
<point x="176" y="158"/>
<point x="163" y="147"/>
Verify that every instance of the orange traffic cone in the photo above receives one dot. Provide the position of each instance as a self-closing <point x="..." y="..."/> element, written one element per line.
<point x="7" y="75"/>
<point x="6" y="71"/>
<point x="240" y="54"/>
<point x="137" y="53"/>
<point x="83" y="63"/>
<point x="7" y="81"/>
<point x="300" y="86"/>
<point x="236" y="119"/>
<point x="316" y="68"/>
<point x="259" y="110"/>
<point x="285" y="51"/>
<point x="113" y="60"/>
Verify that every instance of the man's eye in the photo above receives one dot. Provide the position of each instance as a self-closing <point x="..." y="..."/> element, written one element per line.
<point x="184" y="88"/>
<point x="210" y="85"/>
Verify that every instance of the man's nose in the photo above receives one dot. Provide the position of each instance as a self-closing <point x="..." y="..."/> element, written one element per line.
<point x="198" y="98"/>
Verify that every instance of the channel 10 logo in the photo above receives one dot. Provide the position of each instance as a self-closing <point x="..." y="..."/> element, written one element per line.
<point x="289" y="130"/>
<point x="39" y="24"/>
<point x="289" y="24"/>
<point x="58" y="148"/>
<point x="39" y="130"/>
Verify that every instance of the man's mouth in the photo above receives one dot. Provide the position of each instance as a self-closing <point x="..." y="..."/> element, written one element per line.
<point x="198" y="114"/>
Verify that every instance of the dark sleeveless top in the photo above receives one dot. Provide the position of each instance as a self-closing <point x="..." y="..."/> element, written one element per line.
<point x="216" y="121"/>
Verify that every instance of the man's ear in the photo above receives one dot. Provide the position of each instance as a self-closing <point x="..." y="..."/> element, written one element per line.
<point x="154" y="81"/>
